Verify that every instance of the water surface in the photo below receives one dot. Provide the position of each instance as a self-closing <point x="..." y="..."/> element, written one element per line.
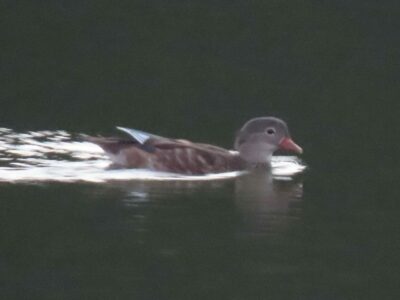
<point x="70" y="228"/>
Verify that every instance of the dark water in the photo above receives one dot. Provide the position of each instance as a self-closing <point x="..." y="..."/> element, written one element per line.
<point x="198" y="70"/>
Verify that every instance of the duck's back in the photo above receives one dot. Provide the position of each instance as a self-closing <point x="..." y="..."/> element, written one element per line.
<point x="169" y="155"/>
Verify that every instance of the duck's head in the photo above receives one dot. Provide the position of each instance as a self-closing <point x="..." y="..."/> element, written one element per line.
<point x="259" y="138"/>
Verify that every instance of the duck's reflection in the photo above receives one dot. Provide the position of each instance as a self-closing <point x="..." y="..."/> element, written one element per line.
<point x="202" y="230"/>
<point x="267" y="205"/>
<point x="258" y="204"/>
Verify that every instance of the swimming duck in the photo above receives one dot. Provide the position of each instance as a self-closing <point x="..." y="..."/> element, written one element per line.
<point x="255" y="143"/>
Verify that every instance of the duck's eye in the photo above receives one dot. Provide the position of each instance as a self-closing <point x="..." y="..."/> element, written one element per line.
<point x="270" y="131"/>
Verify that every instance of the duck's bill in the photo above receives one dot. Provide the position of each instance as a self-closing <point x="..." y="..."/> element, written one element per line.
<point x="288" y="144"/>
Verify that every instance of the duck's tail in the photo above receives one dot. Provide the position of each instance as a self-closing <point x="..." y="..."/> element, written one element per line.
<point x="110" y="145"/>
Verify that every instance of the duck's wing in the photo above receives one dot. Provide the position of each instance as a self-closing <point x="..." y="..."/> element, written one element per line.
<point x="170" y="155"/>
<point x="145" y="138"/>
<point x="182" y="156"/>
<point x="140" y="136"/>
<point x="170" y="144"/>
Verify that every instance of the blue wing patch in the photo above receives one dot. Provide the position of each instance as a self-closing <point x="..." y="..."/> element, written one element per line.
<point x="138" y="135"/>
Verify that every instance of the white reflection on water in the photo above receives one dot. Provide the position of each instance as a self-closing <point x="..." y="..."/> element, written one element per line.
<point x="40" y="156"/>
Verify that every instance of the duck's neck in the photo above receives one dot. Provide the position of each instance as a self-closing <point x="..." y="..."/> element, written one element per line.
<point x="242" y="164"/>
<point x="256" y="155"/>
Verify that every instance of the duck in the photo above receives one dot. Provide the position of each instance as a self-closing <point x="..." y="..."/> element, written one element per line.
<point x="254" y="145"/>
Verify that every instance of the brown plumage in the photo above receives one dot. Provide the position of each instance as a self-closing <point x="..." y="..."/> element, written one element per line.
<point x="167" y="155"/>
<point x="255" y="142"/>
